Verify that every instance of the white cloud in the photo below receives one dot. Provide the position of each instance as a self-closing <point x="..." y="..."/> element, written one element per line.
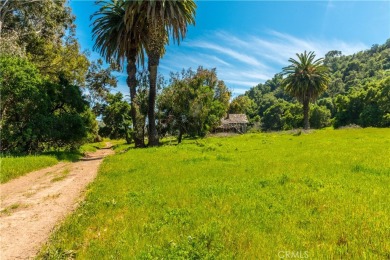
<point x="243" y="61"/>
<point x="215" y="58"/>
<point x="227" y="51"/>
<point x="242" y="83"/>
<point x="281" y="46"/>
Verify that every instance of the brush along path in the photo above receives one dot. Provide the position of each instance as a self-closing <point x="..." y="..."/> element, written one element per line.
<point x="33" y="204"/>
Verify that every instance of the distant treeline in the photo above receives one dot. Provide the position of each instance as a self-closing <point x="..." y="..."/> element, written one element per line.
<point x="52" y="92"/>
<point x="358" y="93"/>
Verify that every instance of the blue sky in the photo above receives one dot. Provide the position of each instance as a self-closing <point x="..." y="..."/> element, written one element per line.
<point x="249" y="41"/>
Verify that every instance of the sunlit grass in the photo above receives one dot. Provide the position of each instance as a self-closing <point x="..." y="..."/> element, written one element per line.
<point x="12" y="167"/>
<point x="256" y="196"/>
<point x="92" y="147"/>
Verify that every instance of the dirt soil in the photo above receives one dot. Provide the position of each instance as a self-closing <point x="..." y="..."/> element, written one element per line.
<point x="33" y="204"/>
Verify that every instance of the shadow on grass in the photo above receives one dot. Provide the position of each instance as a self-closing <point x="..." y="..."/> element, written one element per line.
<point x="168" y="141"/>
<point x="173" y="141"/>
<point x="70" y="156"/>
<point x="91" y="159"/>
<point x="122" y="147"/>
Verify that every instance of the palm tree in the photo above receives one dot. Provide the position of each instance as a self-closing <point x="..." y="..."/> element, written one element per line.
<point x="165" y="18"/>
<point x="117" y="41"/>
<point x="306" y="80"/>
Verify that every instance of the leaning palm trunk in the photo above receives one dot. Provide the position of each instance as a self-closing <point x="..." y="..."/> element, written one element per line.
<point x="306" y="109"/>
<point x="153" y="62"/>
<point x="138" y="135"/>
<point x="157" y="40"/>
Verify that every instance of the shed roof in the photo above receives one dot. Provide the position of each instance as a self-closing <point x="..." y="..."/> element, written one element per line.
<point x="235" y="119"/>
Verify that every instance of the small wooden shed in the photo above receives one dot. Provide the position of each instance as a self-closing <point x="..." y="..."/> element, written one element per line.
<point x="236" y="123"/>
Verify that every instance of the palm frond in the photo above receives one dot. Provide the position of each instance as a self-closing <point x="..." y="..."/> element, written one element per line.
<point x="113" y="37"/>
<point x="306" y="77"/>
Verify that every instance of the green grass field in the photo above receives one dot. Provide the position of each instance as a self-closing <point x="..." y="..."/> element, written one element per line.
<point x="92" y="147"/>
<point x="13" y="167"/>
<point x="255" y="196"/>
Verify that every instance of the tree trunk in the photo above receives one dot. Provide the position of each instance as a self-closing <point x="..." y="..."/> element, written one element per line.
<point x="138" y="136"/>
<point x="179" y="139"/>
<point x="153" y="61"/>
<point x="157" y="39"/>
<point x="306" y="109"/>
<point x="127" y="136"/>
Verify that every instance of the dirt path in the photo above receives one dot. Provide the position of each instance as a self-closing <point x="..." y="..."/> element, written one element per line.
<point x="32" y="205"/>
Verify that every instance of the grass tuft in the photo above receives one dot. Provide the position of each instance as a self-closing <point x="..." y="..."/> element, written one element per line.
<point x="61" y="176"/>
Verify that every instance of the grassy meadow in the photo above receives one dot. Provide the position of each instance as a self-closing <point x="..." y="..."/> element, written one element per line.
<point x="257" y="196"/>
<point x="12" y="167"/>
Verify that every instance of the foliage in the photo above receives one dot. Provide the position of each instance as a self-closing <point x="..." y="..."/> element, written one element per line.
<point x="243" y="197"/>
<point x="35" y="19"/>
<point x="99" y="81"/>
<point x="306" y="77"/>
<point x="285" y="116"/>
<point x="265" y="95"/>
<point x="60" y="60"/>
<point x="367" y="106"/>
<point x="115" y="110"/>
<point x="8" y="46"/>
<point x="116" y="118"/>
<point x="319" y="117"/>
<point x="241" y="105"/>
<point x="42" y="104"/>
<point x="193" y="103"/>
<point x="356" y="70"/>
<point x="44" y="32"/>
<point x="357" y="92"/>
<point x="282" y="115"/>
<point x="36" y="113"/>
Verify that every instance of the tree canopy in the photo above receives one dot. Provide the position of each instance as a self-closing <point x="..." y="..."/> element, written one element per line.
<point x="36" y="113"/>
<point x="42" y="78"/>
<point x="306" y="79"/>
<point x="193" y="103"/>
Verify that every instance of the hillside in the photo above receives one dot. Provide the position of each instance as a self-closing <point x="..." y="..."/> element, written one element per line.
<point x="358" y="93"/>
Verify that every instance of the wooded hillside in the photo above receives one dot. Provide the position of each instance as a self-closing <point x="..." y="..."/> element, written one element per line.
<point x="358" y="93"/>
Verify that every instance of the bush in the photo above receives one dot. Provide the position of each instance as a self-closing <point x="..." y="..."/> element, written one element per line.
<point x="282" y="116"/>
<point x="37" y="114"/>
<point x="319" y="117"/>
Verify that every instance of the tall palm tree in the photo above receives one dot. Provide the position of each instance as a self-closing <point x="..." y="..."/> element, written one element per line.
<point x="306" y="79"/>
<point x="119" y="41"/>
<point x="166" y="19"/>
